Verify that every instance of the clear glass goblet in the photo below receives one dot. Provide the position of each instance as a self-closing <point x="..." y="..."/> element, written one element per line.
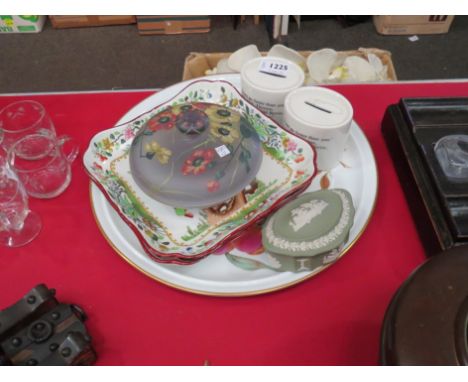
<point x="18" y="225"/>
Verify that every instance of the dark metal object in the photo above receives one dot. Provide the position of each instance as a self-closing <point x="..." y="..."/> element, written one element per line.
<point x="38" y="330"/>
<point x="411" y="128"/>
<point x="351" y="20"/>
<point x="426" y="323"/>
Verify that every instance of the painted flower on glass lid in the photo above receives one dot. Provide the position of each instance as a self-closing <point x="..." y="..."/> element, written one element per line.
<point x="177" y="109"/>
<point x="212" y="186"/>
<point x="201" y="105"/>
<point x="224" y="132"/>
<point x="219" y="114"/>
<point x="224" y="123"/>
<point x="198" y="162"/>
<point x="163" y="121"/>
<point x="192" y="121"/>
<point x="155" y="149"/>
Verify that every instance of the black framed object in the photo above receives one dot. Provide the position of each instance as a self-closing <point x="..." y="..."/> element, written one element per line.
<point x="428" y="142"/>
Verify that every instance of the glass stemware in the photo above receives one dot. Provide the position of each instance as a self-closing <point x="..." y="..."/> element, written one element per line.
<point x="18" y="225"/>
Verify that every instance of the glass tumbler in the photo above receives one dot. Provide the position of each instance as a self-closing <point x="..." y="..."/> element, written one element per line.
<point x="42" y="164"/>
<point x="23" y="118"/>
<point x="18" y="225"/>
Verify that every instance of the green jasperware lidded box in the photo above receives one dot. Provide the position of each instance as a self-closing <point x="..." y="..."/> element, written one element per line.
<point x="314" y="224"/>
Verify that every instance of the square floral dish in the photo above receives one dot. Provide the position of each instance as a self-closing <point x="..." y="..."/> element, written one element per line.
<point x="185" y="235"/>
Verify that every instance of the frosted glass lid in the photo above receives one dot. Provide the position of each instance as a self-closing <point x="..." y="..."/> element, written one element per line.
<point x="195" y="155"/>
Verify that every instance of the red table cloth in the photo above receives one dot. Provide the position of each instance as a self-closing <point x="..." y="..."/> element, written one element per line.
<point x="333" y="318"/>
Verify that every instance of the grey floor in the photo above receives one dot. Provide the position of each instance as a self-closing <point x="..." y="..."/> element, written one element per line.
<point x="118" y="57"/>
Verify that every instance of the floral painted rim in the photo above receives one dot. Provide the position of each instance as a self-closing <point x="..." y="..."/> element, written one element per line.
<point x="213" y="227"/>
<point x="180" y="258"/>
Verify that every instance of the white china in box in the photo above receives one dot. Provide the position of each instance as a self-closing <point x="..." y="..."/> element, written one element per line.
<point x="241" y="56"/>
<point x="267" y="80"/>
<point x="323" y="117"/>
<point x="282" y="51"/>
<point x="215" y="275"/>
<point x="223" y="66"/>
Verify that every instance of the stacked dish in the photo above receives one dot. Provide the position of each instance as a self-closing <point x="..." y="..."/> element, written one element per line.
<point x="198" y="170"/>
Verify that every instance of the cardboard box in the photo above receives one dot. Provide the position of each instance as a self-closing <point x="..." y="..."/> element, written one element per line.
<point x="404" y="25"/>
<point x="59" y="22"/>
<point x="148" y="25"/>
<point x="21" y="24"/>
<point x="196" y="64"/>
